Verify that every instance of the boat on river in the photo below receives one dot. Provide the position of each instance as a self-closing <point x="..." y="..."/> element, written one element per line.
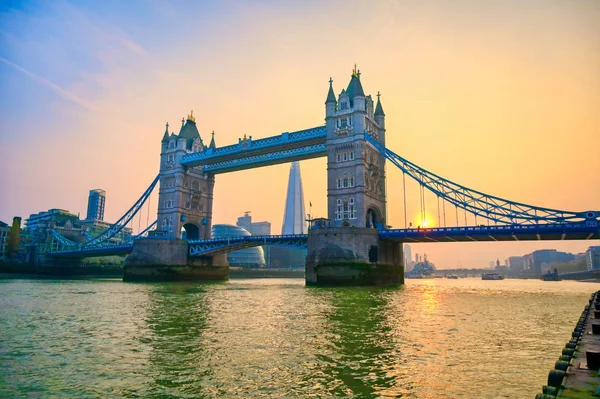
<point x="492" y="276"/>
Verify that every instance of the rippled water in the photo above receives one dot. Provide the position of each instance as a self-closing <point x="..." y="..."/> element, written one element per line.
<point x="276" y="338"/>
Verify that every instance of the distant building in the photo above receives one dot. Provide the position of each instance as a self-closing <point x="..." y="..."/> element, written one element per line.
<point x="294" y="222"/>
<point x="25" y="240"/>
<point x="69" y="226"/>
<point x="515" y="263"/>
<point x="257" y="229"/>
<point x="249" y="257"/>
<point x="539" y="262"/>
<point x="294" y="217"/>
<point x="592" y="258"/>
<point x="58" y="219"/>
<point x="407" y="257"/>
<point x="96" y="201"/>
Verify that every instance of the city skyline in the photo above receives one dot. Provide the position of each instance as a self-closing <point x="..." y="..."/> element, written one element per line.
<point x="511" y="113"/>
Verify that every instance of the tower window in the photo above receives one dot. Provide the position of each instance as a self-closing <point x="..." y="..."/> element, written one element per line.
<point x="352" y="155"/>
<point x="338" y="157"/>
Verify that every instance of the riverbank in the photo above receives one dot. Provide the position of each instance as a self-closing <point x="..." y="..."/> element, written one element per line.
<point x="575" y="374"/>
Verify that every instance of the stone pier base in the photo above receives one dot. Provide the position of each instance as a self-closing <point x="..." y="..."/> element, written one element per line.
<point x="353" y="257"/>
<point x="161" y="259"/>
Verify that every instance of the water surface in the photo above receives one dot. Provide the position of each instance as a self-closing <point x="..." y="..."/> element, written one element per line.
<point x="276" y="338"/>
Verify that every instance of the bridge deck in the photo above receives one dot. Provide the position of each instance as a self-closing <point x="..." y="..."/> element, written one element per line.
<point x="571" y="231"/>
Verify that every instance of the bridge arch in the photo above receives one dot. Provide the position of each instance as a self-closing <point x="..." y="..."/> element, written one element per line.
<point x="190" y="231"/>
<point x="373" y="218"/>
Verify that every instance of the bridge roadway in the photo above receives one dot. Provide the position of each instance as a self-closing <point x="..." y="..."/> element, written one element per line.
<point x="568" y="231"/>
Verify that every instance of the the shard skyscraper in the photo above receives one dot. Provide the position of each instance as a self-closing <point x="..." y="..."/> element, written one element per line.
<point x="294" y="217"/>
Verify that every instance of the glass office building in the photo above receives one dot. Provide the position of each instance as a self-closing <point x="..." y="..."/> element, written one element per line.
<point x="96" y="200"/>
<point x="250" y="257"/>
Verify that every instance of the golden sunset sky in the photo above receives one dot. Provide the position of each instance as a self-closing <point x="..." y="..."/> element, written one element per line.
<point x="500" y="96"/>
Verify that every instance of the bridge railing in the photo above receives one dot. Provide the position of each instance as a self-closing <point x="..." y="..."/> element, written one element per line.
<point x="250" y="238"/>
<point x="497" y="228"/>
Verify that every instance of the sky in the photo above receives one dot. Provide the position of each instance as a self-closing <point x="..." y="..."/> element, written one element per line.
<point x="499" y="96"/>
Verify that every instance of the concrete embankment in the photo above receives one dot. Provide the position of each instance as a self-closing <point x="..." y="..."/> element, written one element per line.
<point x="576" y="372"/>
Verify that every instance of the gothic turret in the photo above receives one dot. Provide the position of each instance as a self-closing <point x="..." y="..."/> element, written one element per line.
<point x="355" y="87"/>
<point x="189" y="131"/>
<point x="379" y="114"/>
<point x="330" y="102"/>
<point x="212" y="141"/>
<point x="166" y="135"/>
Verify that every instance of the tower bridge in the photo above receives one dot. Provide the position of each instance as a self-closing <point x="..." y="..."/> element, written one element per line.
<point x="353" y="245"/>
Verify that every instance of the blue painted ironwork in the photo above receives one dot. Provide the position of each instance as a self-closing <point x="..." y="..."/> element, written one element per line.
<point x="65" y="243"/>
<point x="141" y="234"/>
<point x="248" y="145"/>
<point x="87" y="236"/>
<point x="271" y="158"/>
<point x="126" y="218"/>
<point x="108" y="250"/>
<point x="495" y="209"/>
<point x="527" y="232"/>
<point x="221" y="245"/>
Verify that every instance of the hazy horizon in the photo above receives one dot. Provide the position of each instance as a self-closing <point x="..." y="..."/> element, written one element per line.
<point x="501" y="97"/>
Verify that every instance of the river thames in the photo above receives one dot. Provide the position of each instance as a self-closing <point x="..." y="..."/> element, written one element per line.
<point x="276" y="338"/>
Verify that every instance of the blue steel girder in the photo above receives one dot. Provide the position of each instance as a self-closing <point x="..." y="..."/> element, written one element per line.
<point x="249" y="148"/>
<point x="527" y="232"/>
<point x="224" y="245"/>
<point x="266" y="159"/>
<point x="114" y="229"/>
<point x="80" y="253"/>
<point x="64" y="242"/>
<point x="492" y="208"/>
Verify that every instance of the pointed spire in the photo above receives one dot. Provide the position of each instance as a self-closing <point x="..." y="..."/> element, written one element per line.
<point x="355" y="87"/>
<point x="212" y="141"/>
<point x="182" y="122"/>
<point x="330" y="94"/>
<point x="166" y="136"/>
<point x="379" y="108"/>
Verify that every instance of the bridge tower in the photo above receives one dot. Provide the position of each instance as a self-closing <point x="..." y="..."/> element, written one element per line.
<point x="349" y="251"/>
<point x="186" y="194"/>
<point x="355" y="170"/>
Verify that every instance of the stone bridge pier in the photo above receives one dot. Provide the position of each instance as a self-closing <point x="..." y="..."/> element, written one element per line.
<point x="352" y="256"/>
<point x="167" y="259"/>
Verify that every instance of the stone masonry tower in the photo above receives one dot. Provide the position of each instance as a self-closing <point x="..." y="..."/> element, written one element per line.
<point x="355" y="170"/>
<point x="186" y="194"/>
<point x="347" y="249"/>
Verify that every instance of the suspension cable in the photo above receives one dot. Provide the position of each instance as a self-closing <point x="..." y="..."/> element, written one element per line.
<point x="444" y="205"/>
<point x="404" y="187"/>
<point x="424" y="209"/>
<point x="139" y="222"/>
<point x="422" y="224"/>
<point x="438" y="208"/>
<point x="148" y="215"/>
<point x="456" y="207"/>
